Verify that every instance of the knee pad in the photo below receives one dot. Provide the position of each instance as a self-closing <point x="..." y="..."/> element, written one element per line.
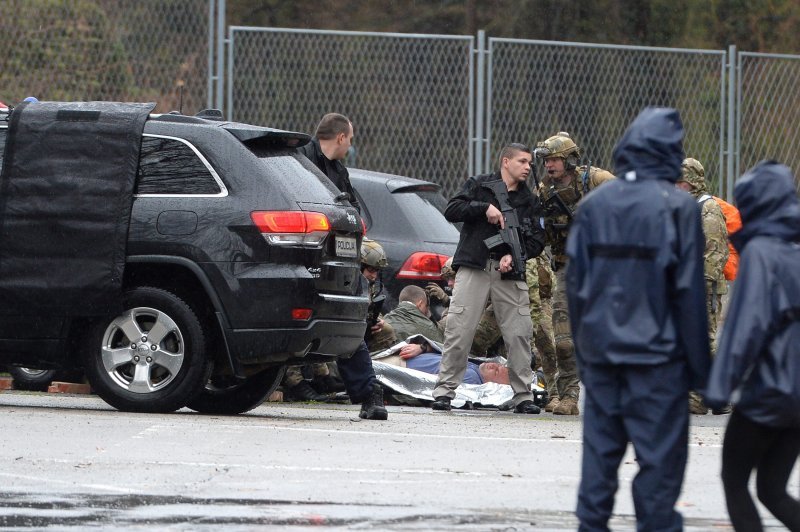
<point x="564" y="345"/>
<point x="560" y="323"/>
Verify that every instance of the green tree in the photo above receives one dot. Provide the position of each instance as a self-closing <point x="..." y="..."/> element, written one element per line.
<point x="68" y="50"/>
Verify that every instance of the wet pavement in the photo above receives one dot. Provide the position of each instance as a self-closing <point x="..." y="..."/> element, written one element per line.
<point x="71" y="462"/>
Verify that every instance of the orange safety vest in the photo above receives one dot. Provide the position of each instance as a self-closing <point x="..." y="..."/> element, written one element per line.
<point x="733" y="222"/>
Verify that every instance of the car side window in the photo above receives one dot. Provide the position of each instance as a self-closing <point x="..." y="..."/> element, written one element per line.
<point x="171" y="166"/>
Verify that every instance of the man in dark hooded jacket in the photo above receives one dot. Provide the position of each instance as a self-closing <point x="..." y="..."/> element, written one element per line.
<point x="757" y="367"/>
<point x="636" y="298"/>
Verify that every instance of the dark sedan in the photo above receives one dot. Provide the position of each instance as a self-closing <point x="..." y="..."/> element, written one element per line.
<point x="405" y="216"/>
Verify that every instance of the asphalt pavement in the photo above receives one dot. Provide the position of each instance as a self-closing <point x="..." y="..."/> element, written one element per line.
<point x="72" y="462"/>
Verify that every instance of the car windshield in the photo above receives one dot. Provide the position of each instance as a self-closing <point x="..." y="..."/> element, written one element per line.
<point x="426" y="208"/>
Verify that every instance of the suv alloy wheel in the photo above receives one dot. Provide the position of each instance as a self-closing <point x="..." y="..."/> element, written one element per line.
<point x="151" y="357"/>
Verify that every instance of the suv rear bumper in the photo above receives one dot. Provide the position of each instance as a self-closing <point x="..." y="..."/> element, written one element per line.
<point x="331" y="337"/>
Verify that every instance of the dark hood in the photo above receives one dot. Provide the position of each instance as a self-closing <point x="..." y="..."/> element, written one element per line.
<point x="652" y="146"/>
<point x="767" y="201"/>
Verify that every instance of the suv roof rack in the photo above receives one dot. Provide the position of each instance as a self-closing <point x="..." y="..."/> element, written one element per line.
<point x="174" y="116"/>
<point x="210" y="114"/>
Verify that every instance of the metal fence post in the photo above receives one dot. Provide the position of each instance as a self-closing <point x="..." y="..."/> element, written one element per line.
<point x="732" y="130"/>
<point x="479" y="136"/>
<point x="221" y="56"/>
<point x="211" y="78"/>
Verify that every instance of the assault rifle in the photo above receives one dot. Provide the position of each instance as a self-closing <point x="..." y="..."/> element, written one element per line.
<point x="511" y="234"/>
<point x="534" y="172"/>
<point x="374" y="310"/>
<point x="553" y="197"/>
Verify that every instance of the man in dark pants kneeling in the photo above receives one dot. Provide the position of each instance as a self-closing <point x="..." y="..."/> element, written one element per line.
<point x="481" y="272"/>
<point x="636" y="294"/>
<point x="326" y="150"/>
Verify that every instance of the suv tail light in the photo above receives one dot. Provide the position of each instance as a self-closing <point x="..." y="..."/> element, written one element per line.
<point x="301" y="314"/>
<point x="422" y="266"/>
<point x="292" y="228"/>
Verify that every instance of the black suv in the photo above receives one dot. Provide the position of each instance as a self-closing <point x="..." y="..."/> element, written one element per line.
<point x="238" y="257"/>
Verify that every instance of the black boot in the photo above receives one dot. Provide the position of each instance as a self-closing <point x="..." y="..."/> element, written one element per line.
<point x="441" y="403"/>
<point x="327" y="384"/>
<point x="372" y="407"/>
<point x="304" y="392"/>
<point x="526" y="407"/>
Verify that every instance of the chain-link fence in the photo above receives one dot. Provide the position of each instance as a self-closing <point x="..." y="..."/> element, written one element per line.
<point x="768" y="114"/>
<point x="417" y="101"/>
<point x="538" y="88"/>
<point x="409" y="96"/>
<point x="106" y="50"/>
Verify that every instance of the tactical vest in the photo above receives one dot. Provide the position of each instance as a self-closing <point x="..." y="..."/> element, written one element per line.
<point x="556" y="219"/>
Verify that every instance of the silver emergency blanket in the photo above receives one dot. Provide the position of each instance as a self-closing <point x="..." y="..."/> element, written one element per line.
<point x="420" y="385"/>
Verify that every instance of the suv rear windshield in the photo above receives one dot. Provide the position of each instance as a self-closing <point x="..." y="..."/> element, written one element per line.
<point x="288" y="169"/>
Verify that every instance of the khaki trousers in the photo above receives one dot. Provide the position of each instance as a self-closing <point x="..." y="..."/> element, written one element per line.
<point x="511" y="307"/>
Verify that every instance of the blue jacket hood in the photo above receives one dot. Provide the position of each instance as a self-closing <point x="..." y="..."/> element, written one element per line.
<point x="651" y="147"/>
<point x="756" y="366"/>
<point x="767" y="201"/>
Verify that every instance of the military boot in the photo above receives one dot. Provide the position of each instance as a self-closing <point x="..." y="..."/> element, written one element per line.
<point x="327" y="384"/>
<point x="373" y="407"/>
<point x="551" y="404"/>
<point x="568" y="406"/>
<point x="696" y="405"/>
<point x="526" y="407"/>
<point x="304" y="392"/>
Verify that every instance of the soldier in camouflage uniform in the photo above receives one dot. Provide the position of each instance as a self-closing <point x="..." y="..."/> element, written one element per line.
<point x="562" y="187"/>
<point x="714" y="257"/>
<point x="296" y="386"/>
<point x="488" y="332"/>
<point x="373" y="260"/>
<point x="540" y="288"/>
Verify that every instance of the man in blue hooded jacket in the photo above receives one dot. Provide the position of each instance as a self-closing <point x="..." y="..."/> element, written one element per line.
<point x="758" y="361"/>
<point x="636" y="297"/>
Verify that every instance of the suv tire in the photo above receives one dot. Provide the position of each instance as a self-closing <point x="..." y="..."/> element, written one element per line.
<point x="151" y="357"/>
<point x="37" y="380"/>
<point x="227" y="395"/>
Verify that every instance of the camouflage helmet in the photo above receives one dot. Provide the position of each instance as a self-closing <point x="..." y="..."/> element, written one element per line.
<point x="372" y="254"/>
<point x="560" y="145"/>
<point x="447" y="270"/>
<point x="693" y="173"/>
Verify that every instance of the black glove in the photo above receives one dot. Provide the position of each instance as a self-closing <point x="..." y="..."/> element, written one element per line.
<point x="437" y="292"/>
